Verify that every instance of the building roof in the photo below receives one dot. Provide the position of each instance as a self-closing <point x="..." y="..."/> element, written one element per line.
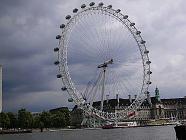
<point x="174" y="101"/>
<point x="58" y="109"/>
<point x="126" y="102"/>
<point x="122" y="102"/>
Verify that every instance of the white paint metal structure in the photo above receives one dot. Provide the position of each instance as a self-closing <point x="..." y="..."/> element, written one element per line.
<point x="63" y="57"/>
<point x="1" y="90"/>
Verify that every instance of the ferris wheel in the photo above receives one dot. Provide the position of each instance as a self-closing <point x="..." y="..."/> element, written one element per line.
<point x="102" y="54"/>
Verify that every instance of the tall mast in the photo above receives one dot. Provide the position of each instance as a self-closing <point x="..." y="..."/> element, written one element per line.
<point x="104" y="66"/>
<point x="103" y="88"/>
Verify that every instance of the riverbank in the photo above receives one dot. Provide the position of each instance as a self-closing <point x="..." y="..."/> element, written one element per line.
<point x="15" y="131"/>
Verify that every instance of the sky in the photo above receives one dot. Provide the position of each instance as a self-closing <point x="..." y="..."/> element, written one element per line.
<point x="27" y="36"/>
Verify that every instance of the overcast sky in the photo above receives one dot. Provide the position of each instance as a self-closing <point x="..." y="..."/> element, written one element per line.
<point x="27" y="38"/>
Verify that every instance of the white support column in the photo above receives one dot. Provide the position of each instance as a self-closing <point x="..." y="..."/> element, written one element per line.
<point x="104" y="66"/>
<point x="103" y="88"/>
<point x="117" y="98"/>
<point x="1" y="91"/>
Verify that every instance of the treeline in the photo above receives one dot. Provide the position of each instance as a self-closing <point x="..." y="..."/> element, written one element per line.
<point x="23" y="119"/>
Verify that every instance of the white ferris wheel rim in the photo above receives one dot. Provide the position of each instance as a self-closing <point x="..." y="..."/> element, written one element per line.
<point x="63" y="67"/>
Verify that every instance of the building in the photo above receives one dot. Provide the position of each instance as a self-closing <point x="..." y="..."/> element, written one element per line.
<point x="60" y="109"/>
<point x="153" y="108"/>
<point x="1" y="88"/>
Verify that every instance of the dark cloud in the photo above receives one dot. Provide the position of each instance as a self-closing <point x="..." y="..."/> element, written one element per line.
<point x="26" y="54"/>
<point x="27" y="39"/>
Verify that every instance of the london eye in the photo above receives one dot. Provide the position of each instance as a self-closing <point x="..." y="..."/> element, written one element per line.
<point x="101" y="54"/>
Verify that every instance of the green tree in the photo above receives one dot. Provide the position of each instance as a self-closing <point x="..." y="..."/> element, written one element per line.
<point x="25" y="119"/>
<point x="4" y="120"/>
<point x="66" y="113"/>
<point x="36" y="122"/>
<point x="45" y="118"/>
<point x="58" y="119"/>
<point x="13" y="120"/>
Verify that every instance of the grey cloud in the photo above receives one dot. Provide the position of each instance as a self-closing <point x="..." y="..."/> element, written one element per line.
<point x="27" y="36"/>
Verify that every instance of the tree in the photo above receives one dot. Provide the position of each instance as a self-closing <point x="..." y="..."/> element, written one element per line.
<point x="58" y="119"/>
<point x="25" y="119"/>
<point x="36" y="122"/>
<point x="65" y="112"/>
<point x="45" y="118"/>
<point x="4" y="120"/>
<point x="13" y="120"/>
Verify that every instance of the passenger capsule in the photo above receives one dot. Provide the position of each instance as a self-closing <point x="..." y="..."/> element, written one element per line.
<point x="56" y="49"/>
<point x="62" y="26"/>
<point x="117" y="11"/>
<point x="70" y="100"/>
<point x="63" y="88"/>
<point x="109" y="6"/>
<point x="75" y="10"/>
<point x="149" y="72"/>
<point x="100" y="4"/>
<point x="92" y="4"/>
<point x="83" y="6"/>
<point x="68" y="17"/>
<point x="56" y="62"/>
<point x="125" y="16"/>
<point x="59" y="76"/>
<point x="149" y="82"/>
<point x="58" y="37"/>
<point x="148" y="62"/>
<point x="143" y="42"/>
<point x="146" y="52"/>
<point x="146" y="92"/>
<point x="138" y="32"/>
<point x="132" y="24"/>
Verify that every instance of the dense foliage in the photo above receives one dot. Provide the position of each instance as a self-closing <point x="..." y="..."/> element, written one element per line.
<point x="25" y="120"/>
